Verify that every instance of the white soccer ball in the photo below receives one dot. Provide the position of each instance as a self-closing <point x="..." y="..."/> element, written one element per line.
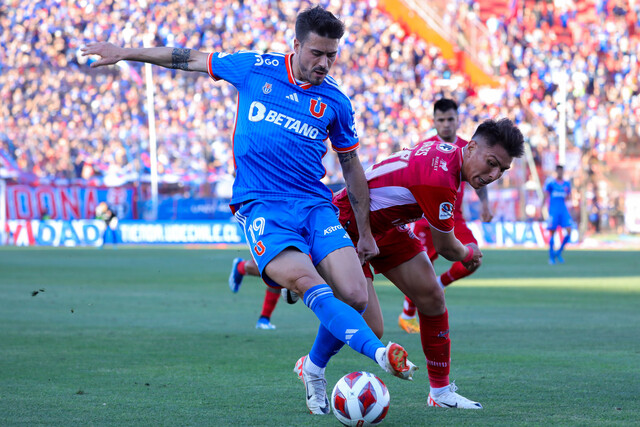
<point x="360" y="399"/>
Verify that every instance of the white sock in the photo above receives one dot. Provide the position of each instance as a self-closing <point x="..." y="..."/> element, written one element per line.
<point x="380" y="358"/>
<point x="405" y="317"/>
<point x="312" y="368"/>
<point x="437" y="391"/>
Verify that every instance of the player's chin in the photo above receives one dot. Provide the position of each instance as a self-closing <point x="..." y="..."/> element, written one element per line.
<point x="317" y="78"/>
<point x="479" y="183"/>
<point x="475" y="184"/>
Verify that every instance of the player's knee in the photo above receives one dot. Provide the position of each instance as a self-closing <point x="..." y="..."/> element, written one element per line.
<point x="355" y="297"/>
<point x="430" y="302"/>
<point x="301" y="282"/>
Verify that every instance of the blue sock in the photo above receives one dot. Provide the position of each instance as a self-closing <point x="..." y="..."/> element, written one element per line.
<point x="564" y="242"/>
<point x="325" y="346"/>
<point x="551" y="245"/>
<point x="343" y="322"/>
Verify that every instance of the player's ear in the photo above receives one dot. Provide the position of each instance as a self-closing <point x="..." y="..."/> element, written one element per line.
<point x="472" y="146"/>
<point x="296" y="45"/>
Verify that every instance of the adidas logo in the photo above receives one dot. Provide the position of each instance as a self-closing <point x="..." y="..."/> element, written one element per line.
<point x="349" y="333"/>
<point x="293" y="97"/>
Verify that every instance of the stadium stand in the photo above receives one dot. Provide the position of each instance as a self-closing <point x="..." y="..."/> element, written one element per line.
<point x="64" y="123"/>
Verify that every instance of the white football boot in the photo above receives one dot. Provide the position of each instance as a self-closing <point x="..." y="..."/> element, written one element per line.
<point x="451" y="399"/>
<point x="315" y="387"/>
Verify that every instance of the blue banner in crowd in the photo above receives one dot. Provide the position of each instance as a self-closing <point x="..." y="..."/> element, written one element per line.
<point x="193" y="209"/>
<point x="91" y="232"/>
<point x="205" y="232"/>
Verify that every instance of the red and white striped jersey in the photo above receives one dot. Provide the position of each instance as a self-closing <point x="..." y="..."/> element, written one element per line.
<point x="457" y="209"/>
<point x="423" y="180"/>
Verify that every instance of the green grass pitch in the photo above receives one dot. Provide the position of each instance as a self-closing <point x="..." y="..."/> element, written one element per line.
<point x="153" y="336"/>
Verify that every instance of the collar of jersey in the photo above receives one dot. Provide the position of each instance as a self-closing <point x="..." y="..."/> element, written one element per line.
<point x="457" y="141"/>
<point x="292" y="79"/>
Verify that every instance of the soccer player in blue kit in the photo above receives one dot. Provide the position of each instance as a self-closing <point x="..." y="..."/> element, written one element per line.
<point x="288" y="106"/>
<point x="559" y="191"/>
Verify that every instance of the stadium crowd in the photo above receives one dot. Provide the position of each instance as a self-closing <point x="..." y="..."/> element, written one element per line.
<point x="62" y="120"/>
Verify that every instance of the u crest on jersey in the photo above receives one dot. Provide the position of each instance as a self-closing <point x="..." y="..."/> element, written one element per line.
<point x="313" y="108"/>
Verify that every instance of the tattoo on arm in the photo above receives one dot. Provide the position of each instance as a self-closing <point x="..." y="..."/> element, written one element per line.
<point x="353" y="199"/>
<point x="180" y="58"/>
<point x="346" y="157"/>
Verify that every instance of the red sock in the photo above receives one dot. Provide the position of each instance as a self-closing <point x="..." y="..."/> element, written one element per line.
<point x="456" y="272"/>
<point x="434" y="334"/>
<point x="241" y="268"/>
<point x="408" y="309"/>
<point x="269" y="304"/>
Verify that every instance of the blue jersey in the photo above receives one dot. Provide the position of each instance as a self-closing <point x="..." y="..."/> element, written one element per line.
<point x="558" y="192"/>
<point x="281" y="127"/>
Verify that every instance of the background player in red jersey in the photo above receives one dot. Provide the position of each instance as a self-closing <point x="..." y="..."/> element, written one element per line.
<point x="424" y="181"/>
<point x="445" y="118"/>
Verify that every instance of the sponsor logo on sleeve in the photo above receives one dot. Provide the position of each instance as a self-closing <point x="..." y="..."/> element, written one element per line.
<point x="446" y="210"/>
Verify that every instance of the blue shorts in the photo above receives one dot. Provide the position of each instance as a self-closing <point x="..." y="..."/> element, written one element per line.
<point x="559" y="219"/>
<point x="275" y="225"/>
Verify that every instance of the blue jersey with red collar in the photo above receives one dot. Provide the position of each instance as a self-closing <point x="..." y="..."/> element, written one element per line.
<point x="281" y="126"/>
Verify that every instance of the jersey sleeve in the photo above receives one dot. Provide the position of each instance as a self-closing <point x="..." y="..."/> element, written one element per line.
<point x="342" y="133"/>
<point x="437" y="203"/>
<point x="232" y="68"/>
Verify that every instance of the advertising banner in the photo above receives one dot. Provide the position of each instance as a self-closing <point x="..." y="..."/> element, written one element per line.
<point x="91" y="232"/>
<point x="632" y="211"/>
<point x="193" y="209"/>
<point x="530" y="234"/>
<point x="67" y="203"/>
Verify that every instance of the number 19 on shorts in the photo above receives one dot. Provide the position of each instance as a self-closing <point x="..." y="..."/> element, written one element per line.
<point x="256" y="228"/>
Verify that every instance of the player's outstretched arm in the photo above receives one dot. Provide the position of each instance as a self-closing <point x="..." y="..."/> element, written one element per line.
<point x="168" y="57"/>
<point x="358" y="192"/>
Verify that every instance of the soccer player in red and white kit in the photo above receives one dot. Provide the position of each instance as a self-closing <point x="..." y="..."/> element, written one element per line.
<point x="445" y="118"/>
<point x="410" y="184"/>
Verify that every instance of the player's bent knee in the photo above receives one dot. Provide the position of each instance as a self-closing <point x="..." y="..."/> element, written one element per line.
<point x="356" y="298"/>
<point x="430" y="302"/>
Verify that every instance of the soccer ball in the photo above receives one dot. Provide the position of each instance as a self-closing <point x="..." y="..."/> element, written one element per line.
<point x="360" y="399"/>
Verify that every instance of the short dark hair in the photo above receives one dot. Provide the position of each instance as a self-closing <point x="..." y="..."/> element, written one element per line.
<point x="445" y="104"/>
<point x="320" y="21"/>
<point x="504" y="133"/>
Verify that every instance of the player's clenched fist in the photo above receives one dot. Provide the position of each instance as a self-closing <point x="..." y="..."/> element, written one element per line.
<point x="474" y="258"/>
<point x="367" y="248"/>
